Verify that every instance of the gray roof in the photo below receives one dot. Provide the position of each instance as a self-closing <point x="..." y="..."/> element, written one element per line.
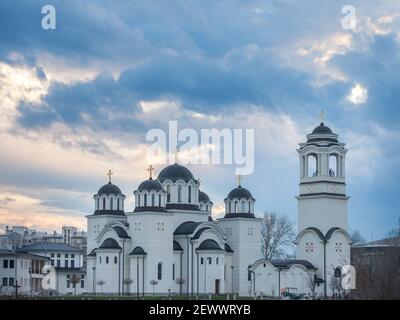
<point x="287" y="263"/>
<point x="121" y="232"/>
<point x="21" y="254"/>
<point x="150" y="185"/>
<point x="187" y="227"/>
<point x="92" y="253"/>
<point x="394" y="241"/>
<point x="209" y="244"/>
<point x="48" y="246"/>
<point x="138" y="251"/>
<point x="110" y="243"/>
<point x="228" y="248"/>
<point x="203" y="197"/>
<point x="177" y="246"/>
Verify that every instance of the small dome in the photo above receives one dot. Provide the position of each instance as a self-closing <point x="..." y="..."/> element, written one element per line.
<point x="240" y="193"/>
<point x="110" y="243"/>
<point x="150" y="185"/>
<point x="175" y="172"/>
<point x="108" y="189"/>
<point x="322" y="129"/>
<point x="203" y="197"/>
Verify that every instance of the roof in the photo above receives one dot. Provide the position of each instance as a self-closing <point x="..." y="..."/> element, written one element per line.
<point x="228" y="248"/>
<point x="110" y="243"/>
<point x="109" y="212"/>
<point x="174" y="173"/>
<point x="187" y="227"/>
<point x="209" y="244"/>
<point x="92" y="253"/>
<point x="322" y="129"/>
<point x="150" y="185"/>
<point x="109" y="188"/>
<point x="48" y="246"/>
<point x="121" y="232"/>
<point x="138" y="251"/>
<point x="239" y="193"/>
<point x="177" y="246"/>
<point x="203" y="197"/>
<point x="393" y="241"/>
<point x="21" y="254"/>
<point x="287" y="263"/>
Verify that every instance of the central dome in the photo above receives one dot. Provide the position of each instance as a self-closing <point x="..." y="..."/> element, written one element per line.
<point x="174" y="173"/>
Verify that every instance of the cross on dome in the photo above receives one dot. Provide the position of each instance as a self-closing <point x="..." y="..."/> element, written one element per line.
<point x="109" y="174"/>
<point x="151" y="170"/>
<point x="322" y="116"/>
<point x="239" y="178"/>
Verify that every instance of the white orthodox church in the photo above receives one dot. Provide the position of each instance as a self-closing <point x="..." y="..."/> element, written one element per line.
<point x="170" y="243"/>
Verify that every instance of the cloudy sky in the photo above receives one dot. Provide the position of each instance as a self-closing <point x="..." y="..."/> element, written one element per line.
<point x="79" y="100"/>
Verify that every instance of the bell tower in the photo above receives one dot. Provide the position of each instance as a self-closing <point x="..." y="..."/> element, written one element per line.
<point x="322" y="200"/>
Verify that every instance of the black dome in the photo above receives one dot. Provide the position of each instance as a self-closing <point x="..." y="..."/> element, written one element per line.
<point x="150" y="185"/>
<point x="203" y="197"/>
<point x="322" y="129"/>
<point x="174" y="173"/>
<point x="239" y="193"/>
<point x="109" y="188"/>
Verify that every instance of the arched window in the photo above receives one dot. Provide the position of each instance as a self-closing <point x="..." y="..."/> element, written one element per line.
<point x="153" y="200"/>
<point x="145" y="200"/>
<point x="338" y="272"/>
<point x="179" y="193"/>
<point x="159" y="200"/>
<point x="159" y="271"/>
<point x="236" y="206"/>
<point x="111" y="204"/>
<point x="190" y="194"/>
<point x="104" y="203"/>
<point x="168" y="193"/>
<point x="312" y="165"/>
<point x="333" y="165"/>
<point x="242" y="209"/>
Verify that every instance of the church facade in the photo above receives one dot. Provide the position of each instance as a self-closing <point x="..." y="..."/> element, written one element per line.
<point x="170" y="243"/>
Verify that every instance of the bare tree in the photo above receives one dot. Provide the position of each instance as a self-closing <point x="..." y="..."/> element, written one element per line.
<point x="310" y="282"/>
<point x="180" y="281"/>
<point x="356" y="237"/>
<point x="101" y="283"/>
<point x="75" y="280"/>
<point x="154" y="283"/>
<point x="277" y="233"/>
<point x="128" y="282"/>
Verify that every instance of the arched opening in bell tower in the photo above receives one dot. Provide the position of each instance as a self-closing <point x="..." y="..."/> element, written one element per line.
<point x="312" y="161"/>
<point x="333" y="165"/>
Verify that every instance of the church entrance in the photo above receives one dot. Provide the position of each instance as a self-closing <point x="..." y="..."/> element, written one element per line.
<point x="216" y="286"/>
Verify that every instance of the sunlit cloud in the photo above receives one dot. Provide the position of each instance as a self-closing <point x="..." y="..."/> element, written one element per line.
<point x="358" y="94"/>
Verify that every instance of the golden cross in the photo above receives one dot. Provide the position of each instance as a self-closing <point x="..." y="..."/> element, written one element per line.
<point x="151" y="170"/>
<point x="322" y="115"/>
<point x="176" y="154"/>
<point x="239" y="179"/>
<point x="110" y="173"/>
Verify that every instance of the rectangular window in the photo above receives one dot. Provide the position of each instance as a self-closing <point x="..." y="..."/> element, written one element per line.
<point x="52" y="262"/>
<point x="52" y="255"/>
<point x="209" y="260"/>
<point x="82" y="284"/>
<point x="4" y="282"/>
<point x="82" y="276"/>
<point x="66" y="255"/>
<point x="5" y="264"/>
<point x="58" y="263"/>
<point x="72" y="255"/>
<point x="11" y="264"/>
<point x="217" y="260"/>
<point x="72" y="263"/>
<point x="201" y="260"/>
<point x="65" y="263"/>
<point x="58" y="255"/>
<point x="115" y="260"/>
<point x="173" y="271"/>
<point x="11" y="282"/>
<point x="107" y="260"/>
